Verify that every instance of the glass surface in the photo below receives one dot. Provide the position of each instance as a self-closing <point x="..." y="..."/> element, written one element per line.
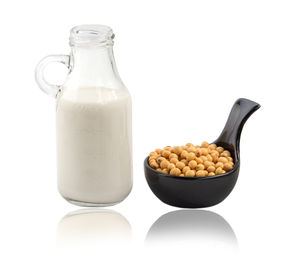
<point x="93" y="121"/>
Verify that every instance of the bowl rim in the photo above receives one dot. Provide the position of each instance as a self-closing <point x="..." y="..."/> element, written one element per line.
<point x="233" y="170"/>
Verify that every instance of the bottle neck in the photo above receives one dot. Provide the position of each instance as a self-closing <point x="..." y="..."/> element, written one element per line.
<point x="93" y="66"/>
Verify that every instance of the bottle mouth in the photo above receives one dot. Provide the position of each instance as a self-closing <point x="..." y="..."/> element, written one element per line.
<point x="91" y="35"/>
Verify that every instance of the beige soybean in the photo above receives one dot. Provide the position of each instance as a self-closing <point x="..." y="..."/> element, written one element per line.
<point x="164" y="164"/>
<point x="166" y="154"/>
<point x="205" y="144"/>
<point x="190" y="173"/>
<point x="177" y="150"/>
<point x="174" y="160"/>
<point x="211" y="169"/>
<point x="173" y="155"/>
<point x="192" y="164"/>
<point x="199" y="160"/>
<point x="223" y="160"/>
<point x="220" y="149"/>
<point x="185" y="169"/>
<point x="227" y="167"/>
<point x="200" y="167"/>
<point x="219" y="164"/>
<point x="180" y="165"/>
<point x="175" y="172"/>
<point x="201" y="173"/>
<point x="171" y="165"/>
<point x="190" y="156"/>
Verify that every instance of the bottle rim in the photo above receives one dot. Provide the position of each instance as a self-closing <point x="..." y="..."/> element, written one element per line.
<point x="90" y="35"/>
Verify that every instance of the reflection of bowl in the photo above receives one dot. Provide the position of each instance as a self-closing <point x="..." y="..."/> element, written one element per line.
<point x="192" y="226"/>
<point x="202" y="192"/>
<point x="92" y="225"/>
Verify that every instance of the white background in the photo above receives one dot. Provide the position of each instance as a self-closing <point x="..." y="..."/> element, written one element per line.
<point x="185" y="63"/>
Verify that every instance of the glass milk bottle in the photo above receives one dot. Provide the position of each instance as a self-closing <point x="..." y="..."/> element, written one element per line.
<point x="93" y="121"/>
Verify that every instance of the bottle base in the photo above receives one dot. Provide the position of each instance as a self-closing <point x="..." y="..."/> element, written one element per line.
<point x="89" y="204"/>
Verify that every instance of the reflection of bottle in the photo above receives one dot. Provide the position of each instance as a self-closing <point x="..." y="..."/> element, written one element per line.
<point x="93" y="121"/>
<point x="92" y="226"/>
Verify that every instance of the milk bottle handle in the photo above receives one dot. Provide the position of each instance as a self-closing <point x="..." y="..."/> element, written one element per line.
<point x="50" y="89"/>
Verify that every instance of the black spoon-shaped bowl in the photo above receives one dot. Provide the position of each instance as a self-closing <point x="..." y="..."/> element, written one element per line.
<point x="200" y="192"/>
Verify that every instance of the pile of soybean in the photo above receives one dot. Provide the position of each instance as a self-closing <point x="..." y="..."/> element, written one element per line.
<point x="192" y="160"/>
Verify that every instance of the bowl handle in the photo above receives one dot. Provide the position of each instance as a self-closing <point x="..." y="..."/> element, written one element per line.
<point x="240" y="112"/>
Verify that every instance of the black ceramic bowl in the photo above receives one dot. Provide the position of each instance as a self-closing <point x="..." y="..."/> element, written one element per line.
<point x="200" y="192"/>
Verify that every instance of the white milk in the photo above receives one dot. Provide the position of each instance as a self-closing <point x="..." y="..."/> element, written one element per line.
<point x="94" y="145"/>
